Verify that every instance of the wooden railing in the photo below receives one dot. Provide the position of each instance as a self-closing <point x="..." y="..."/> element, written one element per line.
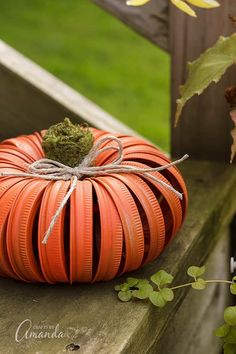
<point x="31" y="98"/>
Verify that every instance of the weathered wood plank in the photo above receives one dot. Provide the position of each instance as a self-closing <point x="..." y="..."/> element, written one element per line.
<point x="197" y="315"/>
<point x="103" y="324"/>
<point x="151" y="20"/>
<point x="204" y="128"/>
<point x="32" y="99"/>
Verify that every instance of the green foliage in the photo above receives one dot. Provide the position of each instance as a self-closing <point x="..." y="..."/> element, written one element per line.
<point x="117" y="287"/>
<point x="161" y="295"/>
<point x="132" y="281"/>
<point x="230" y="315"/>
<point x="157" y="299"/>
<point x="143" y="290"/>
<point x="125" y="295"/>
<point x="222" y="331"/>
<point x="162" y="278"/>
<point x="124" y="287"/>
<point x="199" y="284"/>
<point x="134" y="288"/>
<point x="227" y="332"/>
<point x="196" y="272"/>
<point x="233" y="286"/>
<point x="208" y="68"/>
<point x="231" y="336"/>
<point x="229" y="348"/>
<point x="167" y="294"/>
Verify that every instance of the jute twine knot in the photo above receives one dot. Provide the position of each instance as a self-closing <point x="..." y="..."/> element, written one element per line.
<point x="53" y="170"/>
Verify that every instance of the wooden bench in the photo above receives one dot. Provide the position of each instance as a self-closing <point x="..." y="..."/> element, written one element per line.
<point x="92" y="316"/>
<point x="102" y="324"/>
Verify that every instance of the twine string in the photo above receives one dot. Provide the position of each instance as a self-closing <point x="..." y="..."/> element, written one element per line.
<point x="53" y="170"/>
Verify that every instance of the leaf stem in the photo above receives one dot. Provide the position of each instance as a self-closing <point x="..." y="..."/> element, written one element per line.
<point x="219" y="281"/>
<point x="207" y="281"/>
<point x="183" y="285"/>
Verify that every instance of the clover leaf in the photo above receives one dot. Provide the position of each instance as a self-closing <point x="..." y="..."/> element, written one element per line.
<point x="132" y="281"/>
<point x="233" y="286"/>
<point x="199" y="284"/>
<point x="231" y="336"/>
<point x="125" y="295"/>
<point x="117" y="287"/>
<point x="162" y="278"/>
<point x="229" y="348"/>
<point x="222" y="331"/>
<point x="144" y="290"/>
<point x="160" y="298"/>
<point x="196" y="272"/>
<point x="143" y="281"/>
<point x="157" y="299"/>
<point x="124" y="287"/>
<point x="167" y="294"/>
<point x="133" y="287"/>
<point x="230" y="315"/>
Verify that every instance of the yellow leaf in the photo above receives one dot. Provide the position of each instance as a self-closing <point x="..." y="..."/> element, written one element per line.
<point x="184" y="7"/>
<point x="136" y="2"/>
<point x="207" y="4"/>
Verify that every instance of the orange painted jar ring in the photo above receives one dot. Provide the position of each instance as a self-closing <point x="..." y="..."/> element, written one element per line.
<point x="110" y="238"/>
<point x="9" y="192"/>
<point x="130" y="218"/>
<point x="172" y="174"/>
<point x="81" y="233"/>
<point x="21" y="243"/>
<point x="52" y="256"/>
<point x="171" y="201"/>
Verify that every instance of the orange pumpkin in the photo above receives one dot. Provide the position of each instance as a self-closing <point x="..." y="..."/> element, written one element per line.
<point x="111" y="225"/>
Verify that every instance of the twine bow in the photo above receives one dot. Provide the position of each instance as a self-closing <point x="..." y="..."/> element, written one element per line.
<point x="53" y="170"/>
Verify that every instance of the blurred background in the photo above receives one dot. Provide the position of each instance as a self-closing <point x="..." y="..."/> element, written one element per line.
<point x="98" y="56"/>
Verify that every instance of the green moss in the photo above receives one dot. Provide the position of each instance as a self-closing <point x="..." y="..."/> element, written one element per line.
<point x="67" y="143"/>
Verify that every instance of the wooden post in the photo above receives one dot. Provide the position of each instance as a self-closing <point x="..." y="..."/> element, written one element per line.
<point x="151" y="20"/>
<point x="204" y="128"/>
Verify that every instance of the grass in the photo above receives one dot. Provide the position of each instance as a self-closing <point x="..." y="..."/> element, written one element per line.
<point x="98" y="56"/>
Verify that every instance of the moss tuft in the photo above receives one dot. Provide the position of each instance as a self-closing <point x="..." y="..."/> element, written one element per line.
<point x="67" y="143"/>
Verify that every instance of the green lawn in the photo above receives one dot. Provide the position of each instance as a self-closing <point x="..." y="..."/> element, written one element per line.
<point x="98" y="56"/>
